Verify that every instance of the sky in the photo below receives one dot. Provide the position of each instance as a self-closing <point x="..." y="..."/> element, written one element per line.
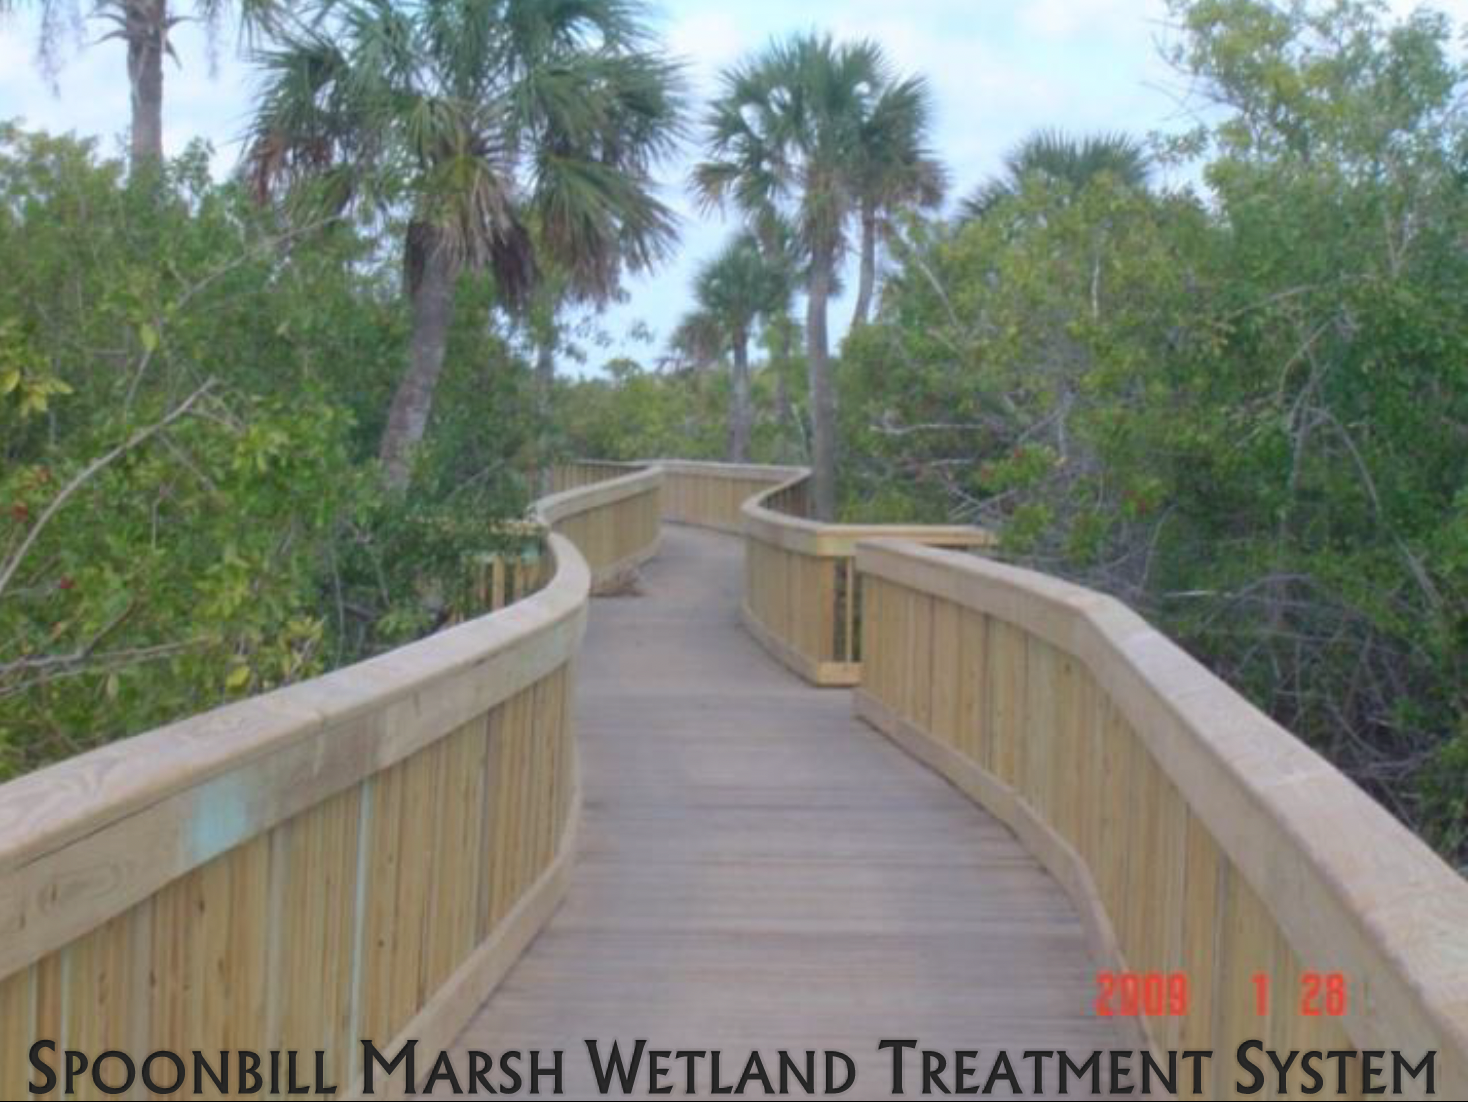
<point x="998" y="70"/>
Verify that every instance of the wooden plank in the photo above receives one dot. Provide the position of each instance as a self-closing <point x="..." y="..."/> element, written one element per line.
<point x="83" y="841"/>
<point x="757" y="866"/>
<point x="1348" y="887"/>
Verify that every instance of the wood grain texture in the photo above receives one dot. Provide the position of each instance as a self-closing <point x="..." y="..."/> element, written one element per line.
<point x="613" y="520"/>
<point x="803" y="596"/>
<point x="337" y="860"/>
<point x="758" y="870"/>
<point x="1197" y="834"/>
<point x="369" y="853"/>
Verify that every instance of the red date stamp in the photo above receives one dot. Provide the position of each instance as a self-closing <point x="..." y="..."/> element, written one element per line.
<point x="1321" y="995"/>
<point x="1168" y="994"/>
<point x="1141" y="994"/>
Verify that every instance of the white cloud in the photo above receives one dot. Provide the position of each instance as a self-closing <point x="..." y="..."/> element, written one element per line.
<point x="710" y="41"/>
<point x="1069" y="18"/>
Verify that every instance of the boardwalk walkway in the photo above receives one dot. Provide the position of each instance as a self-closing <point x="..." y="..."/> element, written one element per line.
<point x="760" y="871"/>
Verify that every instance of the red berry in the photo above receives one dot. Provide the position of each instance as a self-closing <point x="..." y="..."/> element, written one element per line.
<point x="20" y="511"/>
<point x="66" y="583"/>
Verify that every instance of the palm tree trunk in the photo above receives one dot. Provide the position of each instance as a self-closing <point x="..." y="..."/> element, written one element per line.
<point x="545" y="379"/>
<point x="432" y="297"/>
<point x="145" y="27"/>
<point x="741" y="415"/>
<point x="822" y="390"/>
<point x="867" y="279"/>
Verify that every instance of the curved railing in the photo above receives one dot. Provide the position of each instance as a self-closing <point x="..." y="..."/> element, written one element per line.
<point x="366" y="853"/>
<point x="703" y="493"/>
<point x="612" y="519"/>
<point x="1197" y="837"/>
<point x="361" y="855"/>
<point x="802" y="596"/>
<point x="712" y="495"/>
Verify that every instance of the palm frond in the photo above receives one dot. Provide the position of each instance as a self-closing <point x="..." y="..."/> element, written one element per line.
<point x="1065" y="162"/>
<point x="475" y="119"/>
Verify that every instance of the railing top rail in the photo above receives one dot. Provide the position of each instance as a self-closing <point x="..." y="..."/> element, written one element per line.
<point x="718" y="469"/>
<point x="639" y="479"/>
<point x="83" y="839"/>
<point x="826" y="539"/>
<point x="69" y="799"/>
<point x="1343" y="878"/>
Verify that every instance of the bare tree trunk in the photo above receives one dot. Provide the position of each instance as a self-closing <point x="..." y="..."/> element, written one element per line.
<point x="866" y="285"/>
<point x="822" y="390"/>
<point x="432" y="296"/>
<point x="741" y="414"/>
<point x="145" y="28"/>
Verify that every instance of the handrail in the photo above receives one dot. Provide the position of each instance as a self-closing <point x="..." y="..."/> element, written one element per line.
<point x="1196" y="835"/>
<point x="613" y="522"/>
<point x="711" y="495"/>
<point x="366" y="854"/>
<point x="802" y="595"/>
<point x="363" y="854"/>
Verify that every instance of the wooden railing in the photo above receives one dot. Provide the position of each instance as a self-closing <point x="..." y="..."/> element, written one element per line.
<point x="802" y="597"/>
<point x="712" y="495"/>
<point x="1197" y="837"/>
<point x="362" y="855"/>
<point x="697" y="492"/>
<point x="1208" y="850"/>
<point x="365" y="854"/>
<point x="576" y="473"/>
<point x="613" y="521"/>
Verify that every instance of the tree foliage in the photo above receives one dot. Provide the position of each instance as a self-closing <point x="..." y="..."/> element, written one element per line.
<point x="501" y="134"/>
<point x="190" y="395"/>
<point x="1244" y="411"/>
<point x="812" y="133"/>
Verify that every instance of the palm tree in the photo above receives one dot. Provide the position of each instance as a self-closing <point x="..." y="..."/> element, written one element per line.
<point x="470" y="121"/>
<point x="895" y="172"/>
<point x="144" y="27"/>
<point x="1063" y="160"/>
<point x="696" y="343"/>
<point x="782" y="138"/>
<point x="734" y="290"/>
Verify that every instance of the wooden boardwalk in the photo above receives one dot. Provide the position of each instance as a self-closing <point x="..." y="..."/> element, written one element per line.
<point x="759" y="870"/>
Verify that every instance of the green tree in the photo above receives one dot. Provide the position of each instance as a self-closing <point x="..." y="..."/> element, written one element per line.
<point x="144" y="27"/>
<point x="895" y="172"/>
<point x="1243" y="412"/>
<point x="734" y="291"/>
<point x="1065" y="162"/>
<point x="628" y="412"/>
<point x="191" y="397"/>
<point x="783" y="139"/>
<point x="472" y="121"/>
<point x="696" y="343"/>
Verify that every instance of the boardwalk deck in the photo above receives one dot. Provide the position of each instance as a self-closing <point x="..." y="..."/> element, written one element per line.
<point x="759" y="870"/>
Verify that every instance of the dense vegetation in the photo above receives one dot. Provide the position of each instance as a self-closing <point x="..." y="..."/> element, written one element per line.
<point x="190" y="396"/>
<point x="1239" y="402"/>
